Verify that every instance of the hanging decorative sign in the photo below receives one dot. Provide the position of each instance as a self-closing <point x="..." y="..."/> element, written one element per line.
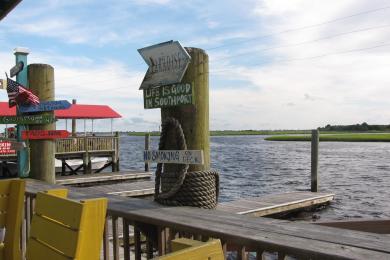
<point x="16" y="69"/>
<point x="44" y="134"/>
<point x="10" y="147"/>
<point x="28" y="120"/>
<point x="167" y="61"/>
<point x="45" y="106"/>
<point x="171" y="95"/>
<point x="3" y="84"/>
<point x="174" y="156"/>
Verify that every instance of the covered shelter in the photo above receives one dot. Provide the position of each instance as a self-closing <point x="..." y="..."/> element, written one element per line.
<point x="76" y="111"/>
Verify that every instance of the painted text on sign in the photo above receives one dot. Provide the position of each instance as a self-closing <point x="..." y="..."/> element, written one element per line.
<point x="171" y="95"/>
<point x="174" y="156"/>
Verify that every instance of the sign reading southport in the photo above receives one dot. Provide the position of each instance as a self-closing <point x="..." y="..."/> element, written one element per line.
<point x="28" y="120"/>
<point x="171" y="95"/>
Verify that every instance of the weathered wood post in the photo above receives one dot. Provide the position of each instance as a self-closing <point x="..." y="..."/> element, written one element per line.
<point x="314" y="159"/>
<point x="42" y="152"/>
<point x="74" y="101"/>
<point x="115" y="157"/>
<point x="194" y="119"/>
<point x="147" y="142"/>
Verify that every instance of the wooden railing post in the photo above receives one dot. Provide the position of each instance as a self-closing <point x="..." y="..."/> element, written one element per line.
<point x="147" y="144"/>
<point x="314" y="160"/>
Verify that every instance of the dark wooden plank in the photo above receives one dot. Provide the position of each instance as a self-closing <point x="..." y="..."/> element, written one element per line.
<point x="102" y="177"/>
<point x="127" y="189"/>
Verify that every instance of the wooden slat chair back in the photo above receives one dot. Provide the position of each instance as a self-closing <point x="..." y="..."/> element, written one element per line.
<point x="11" y="214"/>
<point x="188" y="249"/>
<point x="66" y="229"/>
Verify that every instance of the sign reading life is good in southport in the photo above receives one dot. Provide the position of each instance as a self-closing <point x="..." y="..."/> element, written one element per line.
<point x="28" y="120"/>
<point x="171" y="95"/>
<point x="174" y="156"/>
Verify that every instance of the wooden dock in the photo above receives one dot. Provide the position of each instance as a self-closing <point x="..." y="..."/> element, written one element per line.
<point x="275" y="203"/>
<point x="239" y="233"/>
<point x="124" y="189"/>
<point x="98" y="178"/>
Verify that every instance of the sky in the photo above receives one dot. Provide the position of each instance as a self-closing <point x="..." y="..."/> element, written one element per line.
<point x="274" y="64"/>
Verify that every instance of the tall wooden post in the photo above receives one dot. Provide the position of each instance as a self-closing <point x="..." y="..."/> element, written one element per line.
<point x="41" y="81"/>
<point x="194" y="119"/>
<point x="147" y="142"/>
<point x="314" y="160"/>
<point x="74" y="101"/>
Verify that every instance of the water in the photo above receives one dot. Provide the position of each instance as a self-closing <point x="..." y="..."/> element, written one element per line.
<point x="358" y="173"/>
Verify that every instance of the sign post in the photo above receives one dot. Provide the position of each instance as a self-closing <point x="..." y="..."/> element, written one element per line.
<point x="21" y="77"/>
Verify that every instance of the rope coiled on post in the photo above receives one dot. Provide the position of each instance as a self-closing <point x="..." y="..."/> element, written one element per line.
<point x="182" y="188"/>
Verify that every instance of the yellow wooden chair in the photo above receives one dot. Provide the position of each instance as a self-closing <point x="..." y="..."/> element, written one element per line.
<point x="11" y="213"/>
<point x="66" y="229"/>
<point x="188" y="249"/>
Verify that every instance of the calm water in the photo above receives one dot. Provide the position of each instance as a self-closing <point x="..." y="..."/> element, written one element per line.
<point x="358" y="173"/>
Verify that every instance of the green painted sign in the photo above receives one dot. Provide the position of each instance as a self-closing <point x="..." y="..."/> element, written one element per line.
<point x="168" y="96"/>
<point x="28" y="120"/>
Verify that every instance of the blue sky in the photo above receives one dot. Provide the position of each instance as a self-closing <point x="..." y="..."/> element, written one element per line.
<point x="274" y="64"/>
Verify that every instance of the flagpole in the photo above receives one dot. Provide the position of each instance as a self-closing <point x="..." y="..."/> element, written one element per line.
<point x="21" y="56"/>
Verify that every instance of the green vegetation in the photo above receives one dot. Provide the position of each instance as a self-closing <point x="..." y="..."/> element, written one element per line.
<point x="363" y="127"/>
<point x="348" y="137"/>
<point x="154" y="133"/>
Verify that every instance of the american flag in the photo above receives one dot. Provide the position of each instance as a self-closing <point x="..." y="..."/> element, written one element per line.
<point x="17" y="94"/>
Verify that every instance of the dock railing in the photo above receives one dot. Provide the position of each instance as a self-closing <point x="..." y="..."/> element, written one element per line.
<point x="87" y="144"/>
<point x="132" y="222"/>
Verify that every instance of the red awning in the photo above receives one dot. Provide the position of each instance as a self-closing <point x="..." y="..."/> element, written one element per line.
<point x="76" y="111"/>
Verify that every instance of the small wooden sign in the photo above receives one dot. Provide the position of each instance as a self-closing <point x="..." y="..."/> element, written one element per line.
<point x="16" y="69"/>
<point x="28" y="120"/>
<point x="44" y="134"/>
<point x="174" y="156"/>
<point x="45" y="106"/>
<point x="6" y="148"/>
<point x="171" y="95"/>
<point x="3" y="83"/>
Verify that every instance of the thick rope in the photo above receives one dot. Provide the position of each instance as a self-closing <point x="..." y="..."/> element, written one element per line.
<point x="197" y="189"/>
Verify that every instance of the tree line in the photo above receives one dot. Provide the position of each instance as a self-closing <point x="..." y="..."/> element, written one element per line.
<point x="357" y="127"/>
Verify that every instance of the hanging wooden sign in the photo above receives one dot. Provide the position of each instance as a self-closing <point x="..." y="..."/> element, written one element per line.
<point x="44" y="134"/>
<point x="28" y="120"/>
<point x="174" y="156"/>
<point x="167" y="61"/>
<point x="5" y="148"/>
<point x="171" y="95"/>
<point x="16" y="69"/>
<point x="45" y="106"/>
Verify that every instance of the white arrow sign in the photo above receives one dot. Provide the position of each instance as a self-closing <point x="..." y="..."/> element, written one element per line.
<point x="167" y="61"/>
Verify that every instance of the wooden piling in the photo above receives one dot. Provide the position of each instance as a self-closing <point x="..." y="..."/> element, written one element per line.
<point x="74" y="101"/>
<point x="314" y="159"/>
<point x="147" y="142"/>
<point x="41" y="82"/>
<point x="194" y="119"/>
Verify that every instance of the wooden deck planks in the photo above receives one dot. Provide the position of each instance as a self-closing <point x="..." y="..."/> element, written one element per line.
<point x="126" y="189"/>
<point x="275" y="203"/>
<point x="102" y="177"/>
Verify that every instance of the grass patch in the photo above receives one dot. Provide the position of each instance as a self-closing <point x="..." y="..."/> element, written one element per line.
<point x="349" y="137"/>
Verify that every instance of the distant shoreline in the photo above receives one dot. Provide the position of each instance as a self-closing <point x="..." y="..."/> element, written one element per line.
<point x="340" y="137"/>
<point x="298" y="135"/>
